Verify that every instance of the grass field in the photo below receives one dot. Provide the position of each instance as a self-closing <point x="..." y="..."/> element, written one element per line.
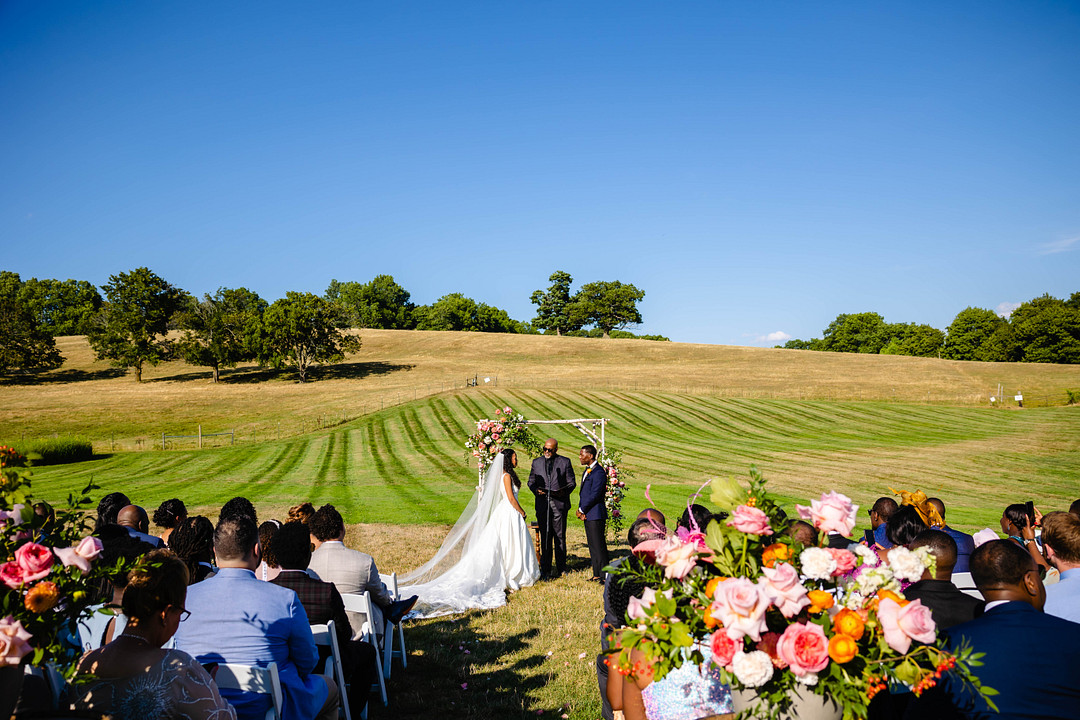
<point x="682" y="414"/>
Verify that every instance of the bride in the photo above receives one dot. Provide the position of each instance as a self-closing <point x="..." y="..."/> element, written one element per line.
<point x="487" y="552"/>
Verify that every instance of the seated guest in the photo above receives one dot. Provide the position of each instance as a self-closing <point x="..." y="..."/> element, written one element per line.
<point x="237" y="507"/>
<point x="301" y="512"/>
<point x="322" y="602"/>
<point x="1061" y="537"/>
<point x="1074" y="509"/>
<point x="803" y="532"/>
<point x="879" y="516"/>
<point x="904" y="525"/>
<point x="1018" y="526"/>
<point x="137" y="523"/>
<point x="965" y="544"/>
<point x="116" y="545"/>
<point x="947" y="604"/>
<point x="1032" y="659"/>
<point x="108" y="507"/>
<point x="132" y="678"/>
<point x="168" y="515"/>
<point x="237" y="618"/>
<point x="351" y="571"/>
<point x="193" y="542"/>
<point x="696" y="517"/>
<point x="268" y="567"/>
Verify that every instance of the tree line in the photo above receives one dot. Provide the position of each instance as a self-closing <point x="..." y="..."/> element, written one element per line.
<point x="1045" y="329"/>
<point x="130" y="326"/>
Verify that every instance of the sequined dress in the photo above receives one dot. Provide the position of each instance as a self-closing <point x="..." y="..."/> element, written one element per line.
<point x="688" y="693"/>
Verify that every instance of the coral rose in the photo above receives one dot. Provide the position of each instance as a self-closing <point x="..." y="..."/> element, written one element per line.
<point x="11" y="574"/>
<point x="740" y="605"/>
<point x="845" y="561"/>
<point x="750" y="520"/>
<point x="850" y="623"/>
<point x="772" y="553"/>
<point x="13" y="641"/>
<point x="804" y="648"/>
<point x="820" y="601"/>
<point x="782" y="585"/>
<point x="723" y="648"/>
<point x="842" y="648"/>
<point x="832" y="513"/>
<point x="34" y="560"/>
<point x="902" y="624"/>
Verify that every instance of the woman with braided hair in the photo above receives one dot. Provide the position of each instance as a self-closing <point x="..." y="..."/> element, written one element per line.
<point x="193" y="542"/>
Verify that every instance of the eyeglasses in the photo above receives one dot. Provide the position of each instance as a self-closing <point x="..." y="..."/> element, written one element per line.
<point x="184" y="614"/>
<point x="547" y="449"/>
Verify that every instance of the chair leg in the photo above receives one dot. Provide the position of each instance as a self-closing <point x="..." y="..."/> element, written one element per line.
<point x="379" y="676"/>
<point x="401" y="644"/>
<point x="388" y="649"/>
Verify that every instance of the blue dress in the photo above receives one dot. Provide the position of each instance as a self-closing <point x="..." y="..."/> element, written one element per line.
<point x="688" y="692"/>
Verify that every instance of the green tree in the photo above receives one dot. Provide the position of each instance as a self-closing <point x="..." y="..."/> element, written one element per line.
<point x="856" y="333"/>
<point x="27" y="346"/>
<point x="976" y="334"/>
<point x="609" y="305"/>
<point x="302" y="329"/>
<point x="457" y="312"/>
<point x="63" y="307"/>
<point x="911" y="339"/>
<point x="552" y="306"/>
<point x="130" y="329"/>
<point x="381" y="303"/>
<point x="222" y="330"/>
<point x="797" y="344"/>
<point x="1046" y="330"/>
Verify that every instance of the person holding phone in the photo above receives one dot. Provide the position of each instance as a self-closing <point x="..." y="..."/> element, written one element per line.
<point x="1020" y="527"/>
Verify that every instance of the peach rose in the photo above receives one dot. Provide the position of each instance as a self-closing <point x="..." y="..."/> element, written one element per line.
<point x="740" y="605"/>
<point x="784" y="589"/>
<point x="34" y="560"/>
<point x="82" y="554"/>
<point x="750" y="520"/>
<point x="13" y="641"/>
<point x="804" y="648"/>
<point x="845" y="561"/>
<point x="902" y="624"/>
<point x="832" y="513"/>
<point x="678" y="558"/>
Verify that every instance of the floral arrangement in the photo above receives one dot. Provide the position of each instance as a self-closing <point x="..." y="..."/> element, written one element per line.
<point x="48" y="567"/>
<point x="779" y="618"/>
<point x="616" y="488"/>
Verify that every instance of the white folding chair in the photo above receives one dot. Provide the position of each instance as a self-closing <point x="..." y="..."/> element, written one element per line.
<point x="92" y="629"/>
<point x="361" y="604"/>
<point x="263" y="680"/>
<point x="399" y="633"/>
<point x="966" y="584"/>
<point x="326" y="635"/>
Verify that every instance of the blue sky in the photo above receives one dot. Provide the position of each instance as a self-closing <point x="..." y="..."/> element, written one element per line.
<point x="755" y="167"/>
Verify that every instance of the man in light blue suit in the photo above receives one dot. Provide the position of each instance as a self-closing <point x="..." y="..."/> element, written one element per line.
<point x="237" y="618"/>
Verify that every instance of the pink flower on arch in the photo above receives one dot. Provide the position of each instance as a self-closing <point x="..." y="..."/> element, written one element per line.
<point x="784" y="589"/>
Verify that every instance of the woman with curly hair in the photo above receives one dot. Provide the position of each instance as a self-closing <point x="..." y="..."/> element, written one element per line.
<point x="193" y="542"/>
<point x="168" y="515"/>
<point x="301" y="512"/>
<point x="133" y="677"/>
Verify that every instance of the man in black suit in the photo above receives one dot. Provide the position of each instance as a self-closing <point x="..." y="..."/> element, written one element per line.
<point x="1032" y="659"/>
<point x="947" y="604"/>
<point x="593" y="510"/>
<point x="552" y="480"/>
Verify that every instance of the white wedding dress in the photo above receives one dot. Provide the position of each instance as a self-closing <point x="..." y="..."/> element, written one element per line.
<point x="488" y="551"/>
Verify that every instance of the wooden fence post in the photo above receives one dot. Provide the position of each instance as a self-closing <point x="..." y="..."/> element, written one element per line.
<point x="200" y="436"/>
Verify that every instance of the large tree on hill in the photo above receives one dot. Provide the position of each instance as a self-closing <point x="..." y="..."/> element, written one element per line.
<point x="301" y="330"/>
<point x="64" y="307"/>
<point x="25" y="346"/>
<point x="553" y="305"/>
<point x="1046" y="330"/>
<point x="221" y="330"/>
<point x="130" y="329"/>
<point x="911" y="339"/>
<point x="457" y="312"/>
<point x="976" y="334"/>
<point x="607" y="305"/>
<point x="856" y="333"/>
<point x="381" y="303"/>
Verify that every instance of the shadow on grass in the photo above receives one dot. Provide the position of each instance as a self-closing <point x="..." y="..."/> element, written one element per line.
<point x="457" y="671"/>
<point x="341" y="371"/>
<point x="59" y="377"/>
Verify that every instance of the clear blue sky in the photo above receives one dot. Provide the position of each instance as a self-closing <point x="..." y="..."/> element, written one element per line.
<point x="755" y="167"/>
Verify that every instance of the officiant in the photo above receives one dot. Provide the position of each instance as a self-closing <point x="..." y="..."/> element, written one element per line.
<point x="552" y="479"/>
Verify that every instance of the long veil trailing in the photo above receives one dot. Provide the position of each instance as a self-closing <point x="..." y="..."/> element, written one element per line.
<point x="467" y="571"/>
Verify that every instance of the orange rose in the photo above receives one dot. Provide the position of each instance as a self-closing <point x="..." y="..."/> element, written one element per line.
<point x="890" y="595"/>
<point x="710" y="621"/>
<point x="820" y="600"/>
<point x="42" y="597"/>
<point x="850" y="623"/>
<point x="710" y="587"/>
<point x="842" y="648"/>
<point x="775" y="552"/>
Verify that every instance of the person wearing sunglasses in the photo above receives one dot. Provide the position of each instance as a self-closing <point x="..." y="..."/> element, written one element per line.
<point x="133" y="677"/>
<point x="552" y="479"/>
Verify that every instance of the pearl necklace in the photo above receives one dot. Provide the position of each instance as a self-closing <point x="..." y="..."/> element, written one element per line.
<point x="140" y="638"/>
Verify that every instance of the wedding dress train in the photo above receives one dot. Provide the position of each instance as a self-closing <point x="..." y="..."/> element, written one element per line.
<point x="488" y="551"/>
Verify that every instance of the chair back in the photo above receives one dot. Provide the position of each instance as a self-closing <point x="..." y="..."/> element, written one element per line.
<point x="361" y="604"/>
<point x="326" y="636"/>
<point x="966" y="584"/>
<point x="390" y="581"/>
<point x="92" y="628"/>
<point x="251" y="678"/>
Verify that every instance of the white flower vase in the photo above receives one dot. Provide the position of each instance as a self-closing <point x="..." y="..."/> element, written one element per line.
<point x="804" y="706"/>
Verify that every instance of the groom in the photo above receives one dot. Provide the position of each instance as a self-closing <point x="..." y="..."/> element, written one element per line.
<point x="593" y="510"/>
<point x="551" y="480"/>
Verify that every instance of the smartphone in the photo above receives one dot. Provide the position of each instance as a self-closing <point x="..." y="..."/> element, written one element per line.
<point x="1029" y="507"/>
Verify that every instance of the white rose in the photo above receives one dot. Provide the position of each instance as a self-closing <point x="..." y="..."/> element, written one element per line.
<point x="905" y="564"/>
<point x="869" y="557"/>
<point x="809" y="679"/>
<point x="753" y="669"/>
<point x="817" y="563"/>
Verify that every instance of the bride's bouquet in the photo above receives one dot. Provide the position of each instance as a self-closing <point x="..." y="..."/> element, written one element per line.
<point x="782" y="619"/>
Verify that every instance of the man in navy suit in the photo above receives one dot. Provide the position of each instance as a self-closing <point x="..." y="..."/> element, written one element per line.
<point x="552" y="480"/>
<point x="593" y="510"/>
<point x="965" y="544"/>
<point x="1032" y="659"/>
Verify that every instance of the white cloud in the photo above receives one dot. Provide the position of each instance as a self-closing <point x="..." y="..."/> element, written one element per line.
<point x="1058" y="246"/>
<point x="1005" y="309"/>
<point x="773" y="337"/>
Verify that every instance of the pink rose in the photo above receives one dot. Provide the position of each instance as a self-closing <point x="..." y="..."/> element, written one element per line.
<point x="845" y="561"/>
<point x="34" y="560"/>
<point x="678" y="558"/>
<point x="637" y="607"/>
<point x="13" y="641"/>
<point x="11" y="574"/>
<point x="14" y="517"/>
<point x="901" y="625"/>
<point x="693" y="537"/>
<point x="782" y="585"/>
<point x="724" y="648"/>
<point x="750" y="520"/>
<point x="740" y="605"/>
<point x="804" y="648"/>
<point x="82" y="554"/>
<point x="832" y="513"/>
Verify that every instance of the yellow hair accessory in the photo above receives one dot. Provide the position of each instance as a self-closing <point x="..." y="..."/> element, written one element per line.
<point x="917" y="500"/>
